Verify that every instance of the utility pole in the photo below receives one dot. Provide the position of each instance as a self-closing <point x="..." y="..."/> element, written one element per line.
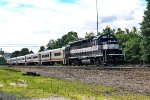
<point x="97" y="14"/>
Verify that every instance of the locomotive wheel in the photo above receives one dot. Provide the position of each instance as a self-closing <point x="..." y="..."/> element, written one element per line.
<point x="97" y="62"/>
<point x="105" y="64"/>
<point x="75" y="62"/>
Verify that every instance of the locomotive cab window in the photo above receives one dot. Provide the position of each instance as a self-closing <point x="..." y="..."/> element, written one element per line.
<point x="104" y="39"/>
<point x="112" y="38"/>
<point x="107" y="38"/>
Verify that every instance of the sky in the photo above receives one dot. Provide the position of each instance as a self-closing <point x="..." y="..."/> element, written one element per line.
<point x="32" y="23"/>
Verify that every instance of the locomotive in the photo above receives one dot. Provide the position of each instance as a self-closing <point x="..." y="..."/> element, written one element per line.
<point x="99" y="50"/>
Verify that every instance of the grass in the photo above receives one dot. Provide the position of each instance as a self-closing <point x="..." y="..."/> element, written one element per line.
<point x="42" y="87"/>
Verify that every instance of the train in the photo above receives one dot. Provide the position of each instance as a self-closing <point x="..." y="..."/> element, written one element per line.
<point x="98" y="50"/>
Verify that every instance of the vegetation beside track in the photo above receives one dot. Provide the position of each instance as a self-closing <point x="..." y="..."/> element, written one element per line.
<point x="41" y="87"/>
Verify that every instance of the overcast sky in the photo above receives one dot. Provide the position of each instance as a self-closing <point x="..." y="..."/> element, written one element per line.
<point x="32" y="23"/>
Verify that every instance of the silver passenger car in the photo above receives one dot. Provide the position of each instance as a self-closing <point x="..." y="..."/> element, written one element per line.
<point x="21" y="60"/>
<point x="52" y="56"/>
<point x="28" y="58"/>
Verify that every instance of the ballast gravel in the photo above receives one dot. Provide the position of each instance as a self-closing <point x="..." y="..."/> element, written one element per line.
<point x="135" y="80"/>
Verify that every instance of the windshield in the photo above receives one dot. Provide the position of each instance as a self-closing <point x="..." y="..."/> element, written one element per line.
<point x="106" y="38"/>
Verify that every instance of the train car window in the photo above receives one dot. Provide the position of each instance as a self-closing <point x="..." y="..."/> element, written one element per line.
<point x="57" y="54"/>
<point x="28" y="57"/>
<point x="34" y="57"/>
<point x="44" y="56"/>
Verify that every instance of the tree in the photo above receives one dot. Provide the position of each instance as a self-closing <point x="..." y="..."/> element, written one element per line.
<point x="2" y="61"/>
<point x="130" y="42"/>
<point x="64" y="40"/>
<point x="89" y="35"/>
<point x="1" y="52"/>
<point x="121" y="36"/>
<point x="145" y="32"/>
<point x="108" y="31"/>
<point x="15" y="54"/>
<point x="132" y="46"/>
<point x="24" y="51"/>
<point x="126" y="31"/>
<point x="59" y="43"/>
<point x="99" y="33"/>
<point x="145" y="50"/>
<point x="31" y="52"/>
<point x="51" y="44"/>
<point x="42" y="48"/>
<point x="69" y="37"/>
<point x="145" y="25"/>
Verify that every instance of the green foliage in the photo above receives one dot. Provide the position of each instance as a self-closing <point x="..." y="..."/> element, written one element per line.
<point x="145" y="25"/>
<point x="42" y="48"/>
<point x="108" y="31"/>
<point x="132" y="49"/>
<point x="2" y="61"/>
<point x="42" y="87"/>
<point x="145" y="30"/>
<point x="64" y="40"/>
<point x="51" y="44"/>
<point x="1" y="52"/>
<point x="15" y="54"/>
<point x="130" y="42"/>
<point x="121" y="36"/>
<point x="31" y="52"/>
<point x="23" y="52"/>
<point x="145" y="49"/>
<point x="89" y="35"/>
<point x="69" y="37"/>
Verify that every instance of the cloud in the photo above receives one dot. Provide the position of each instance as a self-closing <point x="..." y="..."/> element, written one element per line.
<point x="66" y="1"/>
<point x="3" y="3"/>
<point x="112" y="18"/>
<point x="106" y="19"/>
<point x="25" y="6"/>
<point x="38" y="21"/>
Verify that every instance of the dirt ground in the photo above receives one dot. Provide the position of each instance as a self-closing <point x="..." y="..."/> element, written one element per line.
<point x="135" y="80"/>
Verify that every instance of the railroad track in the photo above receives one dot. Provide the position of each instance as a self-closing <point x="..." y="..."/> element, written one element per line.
<point x="92" y="67"/>
<point x="103" y="67"/>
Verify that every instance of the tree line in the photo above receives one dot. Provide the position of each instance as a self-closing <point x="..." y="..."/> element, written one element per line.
<point x="24" y="51"/>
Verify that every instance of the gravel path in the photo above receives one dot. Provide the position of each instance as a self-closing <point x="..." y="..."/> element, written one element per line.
<point x="4" y="96"/>
<point x="136" y="80"/>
